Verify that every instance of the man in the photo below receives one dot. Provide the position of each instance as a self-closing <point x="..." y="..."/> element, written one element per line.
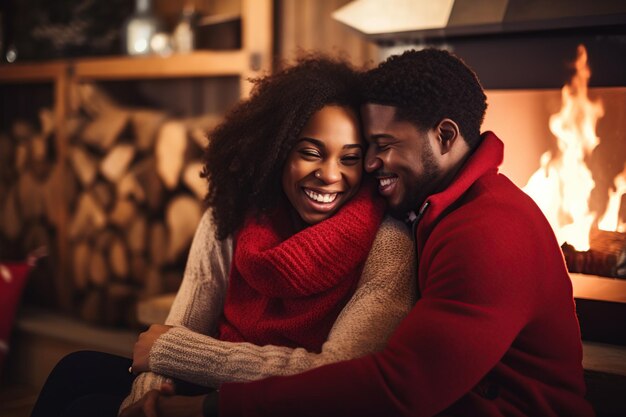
<point x="494" y="332"/>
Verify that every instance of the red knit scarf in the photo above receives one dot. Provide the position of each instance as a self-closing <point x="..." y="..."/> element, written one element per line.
<point x="287" y="289"/>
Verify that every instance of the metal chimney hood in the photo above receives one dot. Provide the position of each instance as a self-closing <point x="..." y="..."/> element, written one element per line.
<point x="516" y="44"/>
<point x="387" y="21"/>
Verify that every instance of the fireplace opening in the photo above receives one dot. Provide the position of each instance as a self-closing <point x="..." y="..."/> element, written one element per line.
<point x="566" y="149"/>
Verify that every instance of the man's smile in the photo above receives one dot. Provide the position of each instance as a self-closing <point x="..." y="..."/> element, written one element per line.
<point x="387" y="183"/>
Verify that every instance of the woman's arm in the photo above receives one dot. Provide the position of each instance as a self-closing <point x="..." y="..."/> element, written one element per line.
<point x="385" y="294"/>
<point x="199" y="301"/>
<point x="200" y="298"/>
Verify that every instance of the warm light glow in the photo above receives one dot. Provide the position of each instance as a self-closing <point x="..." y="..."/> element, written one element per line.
<point x="140" y="45"/>
<point x="610" y="219"/>
<point x="561" y="187"/>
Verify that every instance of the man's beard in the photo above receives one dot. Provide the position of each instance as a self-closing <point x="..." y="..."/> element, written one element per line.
<point x="421" y="188"/>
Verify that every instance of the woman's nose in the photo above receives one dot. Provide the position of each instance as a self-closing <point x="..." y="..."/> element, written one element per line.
<point x="329" y="173"/>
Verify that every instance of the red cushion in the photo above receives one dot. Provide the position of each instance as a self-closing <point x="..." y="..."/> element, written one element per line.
<point x="12" y="282"/>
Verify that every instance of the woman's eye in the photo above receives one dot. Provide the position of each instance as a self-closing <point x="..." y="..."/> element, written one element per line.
<point x="309" y="153"/>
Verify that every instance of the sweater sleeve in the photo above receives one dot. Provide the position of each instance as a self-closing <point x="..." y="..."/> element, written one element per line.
<point x="385" y="294"/>
<point x="200" y="298"/>
<point x="144" y="382"/>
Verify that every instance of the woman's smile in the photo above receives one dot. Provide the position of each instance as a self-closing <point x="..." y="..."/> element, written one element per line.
<point x="322" y="201"/>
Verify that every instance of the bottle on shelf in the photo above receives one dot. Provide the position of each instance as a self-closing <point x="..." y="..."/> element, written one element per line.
<point x="184" y="33"/>
<point x="139" y="28"/>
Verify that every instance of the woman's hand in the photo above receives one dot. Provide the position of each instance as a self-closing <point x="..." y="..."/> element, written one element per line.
<point x="144" y="343"/>
<point x="145" y="407"/>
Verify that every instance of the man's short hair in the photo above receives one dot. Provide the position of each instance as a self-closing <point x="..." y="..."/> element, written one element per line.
<point x="427" y="86"/>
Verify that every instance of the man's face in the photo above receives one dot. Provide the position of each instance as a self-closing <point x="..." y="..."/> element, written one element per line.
<point x="400" y="157"/>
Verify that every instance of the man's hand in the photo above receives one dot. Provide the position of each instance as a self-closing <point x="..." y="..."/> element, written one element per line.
<point x="144" y="343"/>
<point x="159" y="404"/>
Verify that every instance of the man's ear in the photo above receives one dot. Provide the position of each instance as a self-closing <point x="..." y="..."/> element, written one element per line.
<point x="447" y="134"/>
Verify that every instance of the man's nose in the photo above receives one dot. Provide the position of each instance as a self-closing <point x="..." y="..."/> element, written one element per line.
<point x="372" y="163"/>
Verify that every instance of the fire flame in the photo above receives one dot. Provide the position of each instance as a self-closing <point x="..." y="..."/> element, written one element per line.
<point x="610" y="220"/>
<point x="561" y="187"/>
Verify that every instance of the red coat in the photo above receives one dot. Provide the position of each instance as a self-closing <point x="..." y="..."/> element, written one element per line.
<point x="494" y="333"/>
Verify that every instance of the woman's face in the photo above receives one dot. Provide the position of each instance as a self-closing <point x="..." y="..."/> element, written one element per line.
<point x="324" y="169"/>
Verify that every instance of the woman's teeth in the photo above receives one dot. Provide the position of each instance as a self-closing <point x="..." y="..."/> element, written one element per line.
<point x="321" y="198"/>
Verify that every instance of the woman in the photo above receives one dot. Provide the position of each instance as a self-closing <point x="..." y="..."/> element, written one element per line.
<point x="292" y="267"/>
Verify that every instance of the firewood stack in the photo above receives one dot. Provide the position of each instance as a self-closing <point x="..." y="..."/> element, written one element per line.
<point x="32" y="188"/>
<point x="133" y="196"/>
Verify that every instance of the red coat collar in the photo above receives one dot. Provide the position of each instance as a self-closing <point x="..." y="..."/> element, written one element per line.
<point x="487" y="157"/>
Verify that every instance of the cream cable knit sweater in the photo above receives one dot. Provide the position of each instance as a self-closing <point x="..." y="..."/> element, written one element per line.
<point x="385" y="294"/>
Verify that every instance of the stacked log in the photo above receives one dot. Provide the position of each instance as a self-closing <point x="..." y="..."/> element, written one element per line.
<point x="33" y="189"/>
<point x="30" y="186"/>
<point x="606" y="256"/>
<point x="135" y="214"/>
<point x="131" y="189"/>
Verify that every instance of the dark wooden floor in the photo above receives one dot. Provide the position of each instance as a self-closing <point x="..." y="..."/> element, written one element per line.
<point x="16" y="400"/>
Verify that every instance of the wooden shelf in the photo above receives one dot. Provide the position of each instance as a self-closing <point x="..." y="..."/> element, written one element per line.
<point x="197" y="64"/>
<point x="35" y="72"/>
<point x="42" y="337"/>
<point x="38" y="321"/>
<point x="601" y="357"/>
<point x="253" y="58"/>
<point x="593" y="287"/>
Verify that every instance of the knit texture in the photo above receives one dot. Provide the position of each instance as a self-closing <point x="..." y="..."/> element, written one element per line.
<point x="287" y="288"/>
<point x="384" y="295"/>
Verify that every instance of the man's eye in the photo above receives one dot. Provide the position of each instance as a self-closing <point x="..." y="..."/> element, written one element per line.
<point x="382" y="146"/>
<point x="351" y="159"/>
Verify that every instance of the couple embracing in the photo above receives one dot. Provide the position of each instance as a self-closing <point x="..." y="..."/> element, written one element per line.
<point x="361" y="255"/>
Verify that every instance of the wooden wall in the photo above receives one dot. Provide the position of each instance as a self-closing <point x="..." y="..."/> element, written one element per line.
<point x="299" y="26"/>
<point x="305" y="25"/>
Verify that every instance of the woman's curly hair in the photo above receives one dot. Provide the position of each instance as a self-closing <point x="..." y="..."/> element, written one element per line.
<point x="244" y="160"/>
<point x="427" y="86"/>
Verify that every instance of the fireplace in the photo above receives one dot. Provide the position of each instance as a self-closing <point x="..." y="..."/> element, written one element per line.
<point x="525" y="52"/>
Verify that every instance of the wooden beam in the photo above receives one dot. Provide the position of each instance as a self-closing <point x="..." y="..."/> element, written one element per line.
<point x="65" y="289"/>
<point x="256" y="41"/>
